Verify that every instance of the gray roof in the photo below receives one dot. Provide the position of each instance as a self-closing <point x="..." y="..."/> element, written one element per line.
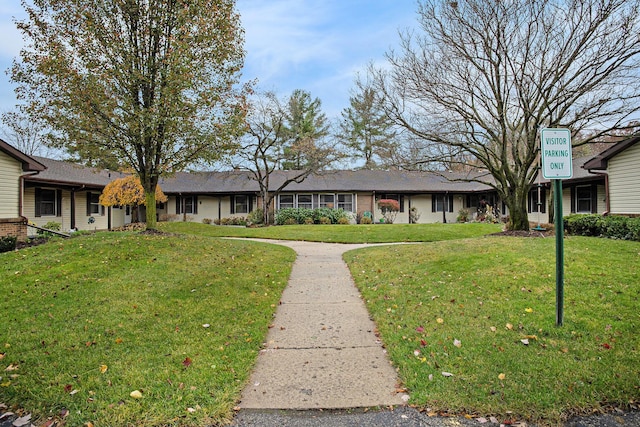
<point x="70" y="174"/>
<point x="238" y="181"/>
<point x="601" y="161"/>
<point x="330" y="181"/>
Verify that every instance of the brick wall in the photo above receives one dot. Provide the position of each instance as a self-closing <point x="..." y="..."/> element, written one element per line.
<point x="14" y="227"/>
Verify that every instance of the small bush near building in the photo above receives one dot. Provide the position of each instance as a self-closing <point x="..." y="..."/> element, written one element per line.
<point x="463" y="215"/>
<point x="256" y="217"/>
<point x="8" y="243"/>
<point x="309" y="216"/>
<point x="207" y="221"/>
<point x="365" y="220"/>
<point x="238" y="220"/>
<point x="614" y="226"/>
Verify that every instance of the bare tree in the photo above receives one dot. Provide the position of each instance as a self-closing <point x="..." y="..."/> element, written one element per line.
<point x="23" y="133"/>
<point x="268" y="143"/>
<point x="483" y="77"/>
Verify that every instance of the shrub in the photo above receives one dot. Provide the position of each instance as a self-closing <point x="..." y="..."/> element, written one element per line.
<point x="615" y="227"/>
<point x="325" y="220"/>
<point x="256" y="216"/>
<point x="343" y="221"/>
<point x="8" y="243"/>
<point x="366" y="220"/>
<point x="51" y="225"/>
<point x="170" y="217"/>
<point x="414" y="215"/>
<point x="389" y="208"/>
<point x="309" y="221"/>
<point x="309" y="216"/>
<point x="290" y="221"/>
<point x="463" y="215"/>
<point x="206" y="221"/>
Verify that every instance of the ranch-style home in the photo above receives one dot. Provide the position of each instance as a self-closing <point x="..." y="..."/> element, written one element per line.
<point x="41" y="190"/>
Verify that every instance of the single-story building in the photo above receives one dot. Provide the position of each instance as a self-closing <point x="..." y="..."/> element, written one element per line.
<point x="14" y="167"/>
<point x="619" y="167"/>
<point x="45" y="190"/>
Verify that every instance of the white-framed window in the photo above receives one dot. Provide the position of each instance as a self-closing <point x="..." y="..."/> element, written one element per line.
<point x="441" y="202"/>
<point x="93" y="204"/>
<point x="305" y="201"/>
<point x="285" y="201"/>
<point x="345" y="202"/>
<point x="327" y="200"/>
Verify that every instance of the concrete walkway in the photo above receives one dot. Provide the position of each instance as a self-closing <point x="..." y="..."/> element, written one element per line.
<point x="322" y="351"/>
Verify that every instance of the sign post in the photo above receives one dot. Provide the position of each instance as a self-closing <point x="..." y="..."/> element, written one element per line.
<point x="555" y="150"/>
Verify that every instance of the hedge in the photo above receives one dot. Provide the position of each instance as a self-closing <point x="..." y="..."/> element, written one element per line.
<point x="309" y="216"/>
<point x="612" y="226"/>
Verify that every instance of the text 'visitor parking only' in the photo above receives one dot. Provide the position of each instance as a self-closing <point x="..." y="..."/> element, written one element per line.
<point x="555" y="150"/>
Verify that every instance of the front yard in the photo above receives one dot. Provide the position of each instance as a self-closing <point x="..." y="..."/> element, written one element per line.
<point x="180" y="319"/>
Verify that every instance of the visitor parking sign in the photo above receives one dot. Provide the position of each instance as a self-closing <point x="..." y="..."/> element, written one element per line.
<point x="555" y="149"/>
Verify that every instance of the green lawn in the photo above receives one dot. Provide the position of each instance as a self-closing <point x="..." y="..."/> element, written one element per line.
<point x="374" y="233"/>
<point x="464" y="308"/>
<point x="86" y="321"/>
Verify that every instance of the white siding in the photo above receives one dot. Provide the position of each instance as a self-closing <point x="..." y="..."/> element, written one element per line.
<point x="624" y="181"/>
<point x="10" y="171"/>
<point x="82" y="219"/>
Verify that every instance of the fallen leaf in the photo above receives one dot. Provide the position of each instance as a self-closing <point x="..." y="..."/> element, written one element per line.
<point x="2" y="356"/>
<point x="88" y="424"/>
<point x="206" y="325"/>
<point x="187" y="362"/>
<point x="103" y="368"/>
<point x="419" y="329"/>
<point x="494" y="420"/>
<point x="72" y="392"/>
<point x="447" y="374"/>
<point x="501" y="376"/>
<point x="118" y="340"/>
<point x="12" y="367"/>
<point x="191" y="410"/>
<point x="529" y="310"/>
<point x="68" y="388"/>
<point x="22" y="421"/>
<point x="525" y="341"/>
<point x="607" y="346"/>
<point x="509" y="326"/>
<point x="481" y="420"/>
<point x="493" y="329"/>
<point x="440" y="320"/>
<point x="416" y="353"/>
<point x="457" y="343"/>
<point x="136" y="394"/>
<point x="423" y="343"/>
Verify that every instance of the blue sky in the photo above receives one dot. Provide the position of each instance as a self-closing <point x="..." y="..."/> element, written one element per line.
<point x="315" y="45"/>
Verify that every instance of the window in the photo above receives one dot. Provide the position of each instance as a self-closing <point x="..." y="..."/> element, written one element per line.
<point x="584" y="196"/>
<point x="327" y="201"/>
<point x="441" y="202"/>
<point x="93" y="204"/>
<point x="48" y="202"/>
<point x="240" y="204"/>
<point x="533" y="200"/>
<point x="187" y="205"/>
<point x="345" y="201"/>
<point x="305" y="201"/>
<point x="285" y="201"/>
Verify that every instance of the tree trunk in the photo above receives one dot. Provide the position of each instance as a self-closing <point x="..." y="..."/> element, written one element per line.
<point x="518" y="215"/>
<point x="150" y="197"/>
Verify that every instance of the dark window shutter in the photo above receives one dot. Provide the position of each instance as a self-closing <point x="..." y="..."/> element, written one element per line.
<point x="58" y="202"/>
<point x="450" y="198"/>
<point x="433" y="202"/>
<point x="573" y="200"/>
<point x="530" y="201"/>
<point x="401" y="203"/>
<point x="233" y="204"/>
<point x="543" y="200"/>
<point x="250" y="203"/>
<point x="88" y="204"/>
<point x="38" y="201"/>
<point x="178" y="204"/>
<point x="195" y="205"/>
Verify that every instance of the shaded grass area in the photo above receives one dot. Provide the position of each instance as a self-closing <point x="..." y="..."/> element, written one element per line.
<point x="86" y="321"/>
<point x="373" y="233"/>
<point x="483" y="310"/>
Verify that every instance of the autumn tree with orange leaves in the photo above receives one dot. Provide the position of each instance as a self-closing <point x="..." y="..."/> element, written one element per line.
<point x="128" y="191"/>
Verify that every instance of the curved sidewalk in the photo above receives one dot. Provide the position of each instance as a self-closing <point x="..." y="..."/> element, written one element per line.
<point x="322" y="350"/>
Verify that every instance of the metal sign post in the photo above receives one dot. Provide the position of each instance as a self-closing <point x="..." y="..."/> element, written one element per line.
<point x="555" y="151"/>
